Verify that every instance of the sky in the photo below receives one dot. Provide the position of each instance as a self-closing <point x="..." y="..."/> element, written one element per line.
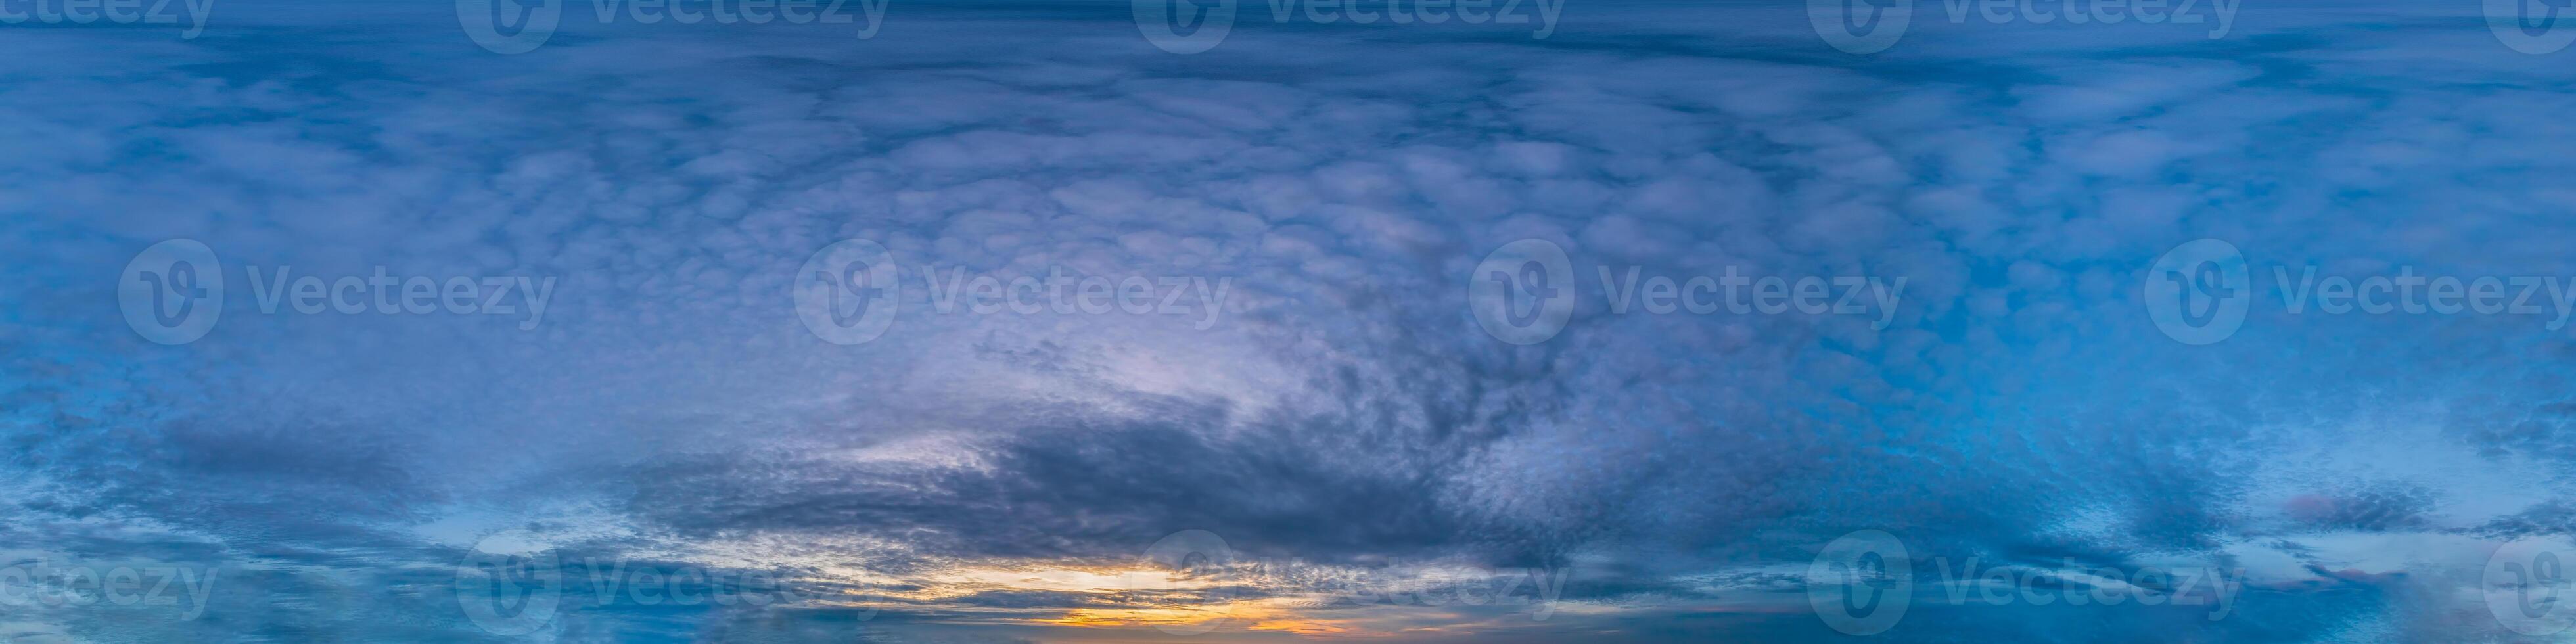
<point x="968" y="321"/>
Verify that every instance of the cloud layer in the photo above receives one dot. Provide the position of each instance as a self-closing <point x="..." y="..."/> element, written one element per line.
<point x="1337" y="417"/>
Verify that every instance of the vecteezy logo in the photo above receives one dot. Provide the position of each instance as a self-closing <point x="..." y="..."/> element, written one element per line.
<point x="1184" y="26"/>
<point x="2198" y="292"/>
<point x="2527" y="586"/>
<point x="2529" y="26"/>
<point x="172" y="292"/>
<point x="1861" y="583"/>
<point x="507" y="26"/>
<point x="509" y="585"/>
<point x="1197" y="555"/>
<point x="1523" y="292"/>
<point x="1860" y="26"/>
<point x="846" y="292"/>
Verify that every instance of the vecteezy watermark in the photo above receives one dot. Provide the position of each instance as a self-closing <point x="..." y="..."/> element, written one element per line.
<point x="849" y="292"/>
<point x="1872" y="26"/>
<point x="2199" y="293"/>
<point x="2079" y="585"/>
<point x="1201" y="576"/>
<point x="122" y="12"/>
<point x="511" y="586"/>
<point x="1863" y="582"/>
<point x="514" y="27"/>
<point x="1202" y="556"/>
<point x="1860" y="26"/>
<point x="1193" y="26"/>
<point x="2527" y="586"/>
<point x="45" y="583"/>
<point x="173" y="293"/>
<point x="385" y="294"/>
<point x="1523" y="293"/>
<point x="2530" y="26"/>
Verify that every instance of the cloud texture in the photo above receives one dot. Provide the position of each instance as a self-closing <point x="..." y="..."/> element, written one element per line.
<point x="1337" y="415"/>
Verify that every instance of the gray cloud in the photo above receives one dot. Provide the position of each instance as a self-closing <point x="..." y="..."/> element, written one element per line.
<point x="1342" y="409"/>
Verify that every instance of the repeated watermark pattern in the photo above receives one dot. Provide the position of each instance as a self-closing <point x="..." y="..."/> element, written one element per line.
<point x="173" y="293"/>
<point x="2200" y="292"/>
<point x="1525" y="291"/>
<point x="384" y="294"/>
<point x="1863" y="582"/>
<point x="515" y="27"/>
<point x="49" y="584"/>
<point x="1231" y="576"/>
<point x="1193" y="26"/>
<point x="2527" y="587"/>
<point x="2530" y="26"/>
<point x="1860" y="26"/>
<point x="850" y="292"/>
<point x="118" y="12"/>
<point x="509" y="588"/>
<point x="1872" y="26"/>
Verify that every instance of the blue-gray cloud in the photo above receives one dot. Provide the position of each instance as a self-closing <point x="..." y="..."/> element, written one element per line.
<point x="1338" y="407"/>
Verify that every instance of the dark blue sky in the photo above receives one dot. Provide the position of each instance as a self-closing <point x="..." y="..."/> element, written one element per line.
<point x="961" y="322"/>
